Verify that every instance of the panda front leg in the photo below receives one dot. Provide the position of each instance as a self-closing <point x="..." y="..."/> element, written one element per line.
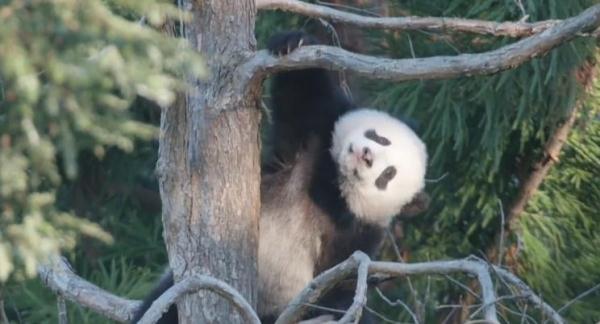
<point x="284" y="43"/>
<point x="305" y="103"/>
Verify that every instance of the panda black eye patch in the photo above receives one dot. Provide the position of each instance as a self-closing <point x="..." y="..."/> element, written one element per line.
<point x="372" y="135"/>
<point x="385" y="177"/>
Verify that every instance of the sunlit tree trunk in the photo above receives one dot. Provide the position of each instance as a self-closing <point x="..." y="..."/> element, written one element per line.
<point x="208" y="166"/>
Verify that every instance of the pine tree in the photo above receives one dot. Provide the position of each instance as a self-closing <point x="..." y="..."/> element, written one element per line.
<point x="69" y="71"/>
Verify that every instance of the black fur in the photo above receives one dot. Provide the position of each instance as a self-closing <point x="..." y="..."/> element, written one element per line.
<point x="305" y="105"/>
<point x="170" y="317"/>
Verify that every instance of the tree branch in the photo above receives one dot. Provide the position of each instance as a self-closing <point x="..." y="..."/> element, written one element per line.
<point x="319" y="286"/>
<point x="59" y="277"/>
<point x="529" y="294"/>
<point x="328" y="279"/>
<point x="61" y="305"/>
<point x="194" y="284"/>
<point x="511" y="29"/>
<point x="586" y="76"/>
<point x="261" y="63"/>
<point x="477" y="268"/>
<point x="552" y="150"/>
<point x="360" y="298"/>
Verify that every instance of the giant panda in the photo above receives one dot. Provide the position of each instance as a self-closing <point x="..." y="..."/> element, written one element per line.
<point x="336" y="177"/>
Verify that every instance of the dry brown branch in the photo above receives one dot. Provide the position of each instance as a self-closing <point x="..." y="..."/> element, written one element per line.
<point x="439" y="24"/>
<point x="552" y="150"/>
<point x="194" y="284"/>
<point x="59" y="277"/>
<point x="586" y="74"/>
<point x="262" y="63"/>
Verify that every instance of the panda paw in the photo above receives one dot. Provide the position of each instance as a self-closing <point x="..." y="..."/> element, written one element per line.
<point x="285" y="43"/>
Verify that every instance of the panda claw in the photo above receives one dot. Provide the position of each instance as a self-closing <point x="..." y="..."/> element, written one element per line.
<point x="286" y="43"/>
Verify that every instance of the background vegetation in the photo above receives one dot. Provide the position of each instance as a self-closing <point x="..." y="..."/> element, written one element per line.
<point x="70" y="146"/>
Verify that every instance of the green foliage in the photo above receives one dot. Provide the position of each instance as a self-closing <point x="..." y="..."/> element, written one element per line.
<point x="69" y="70"/>
<point x="559" y="226"/>
<point x="482" y="132"/>
<point x="117" y="192"/>
<point x="485" y="133"/>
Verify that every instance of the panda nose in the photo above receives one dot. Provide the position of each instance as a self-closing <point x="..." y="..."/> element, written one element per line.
<point x="367" y="156"/>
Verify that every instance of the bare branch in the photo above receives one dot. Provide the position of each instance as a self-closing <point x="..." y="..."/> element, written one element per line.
<point x="529" y="294"/>
<point x="476" y="268"/>
<point x="331" y="277"/>
<point x="511" y="29"/>
<point x="262" y="63"/>
<point x="360" y="298"/>
<point x="3" y="317"/>
<point x="318" y="287"/>
<point x="61" y="304"/>
<point x="59" y="277"/>
<point x="397" y="302"/>
<point x="580" y="296"/>
<point x="194" y="284"/>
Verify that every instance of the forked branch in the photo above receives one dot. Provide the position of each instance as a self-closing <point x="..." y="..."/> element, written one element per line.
<point x="436" y="24"/>
<point x="61" y="279"/>
<point x="359" y="262"/>
<point x="261" y="63"/>
<point x="194" y="284"/>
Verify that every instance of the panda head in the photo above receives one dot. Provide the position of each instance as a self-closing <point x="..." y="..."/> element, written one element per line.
<point x="381" y="163"/>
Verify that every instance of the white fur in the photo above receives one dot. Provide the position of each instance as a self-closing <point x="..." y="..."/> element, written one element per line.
<point x="407" y="153"/>
<point x="290" y="235"/>
<point x="291" y="224"/>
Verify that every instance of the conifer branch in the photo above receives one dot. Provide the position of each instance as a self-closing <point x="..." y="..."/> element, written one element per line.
<point x="261" y="63"/>
<point x="586" y="75"/>
<point x="541" y="168"/>
<point x="436" y="24"/>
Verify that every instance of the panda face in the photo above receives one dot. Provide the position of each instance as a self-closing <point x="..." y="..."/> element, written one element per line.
<point x="381" y="163"/>
<point x="366" y="159"/>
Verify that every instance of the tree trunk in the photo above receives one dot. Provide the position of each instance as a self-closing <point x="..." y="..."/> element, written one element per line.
<point x="208" y="166"/>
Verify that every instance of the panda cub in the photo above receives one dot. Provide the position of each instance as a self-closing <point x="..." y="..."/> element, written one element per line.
<point x="336" y="177"/>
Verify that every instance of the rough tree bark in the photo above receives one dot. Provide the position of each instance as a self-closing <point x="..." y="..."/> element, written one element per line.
<point x="208" y="166"/>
